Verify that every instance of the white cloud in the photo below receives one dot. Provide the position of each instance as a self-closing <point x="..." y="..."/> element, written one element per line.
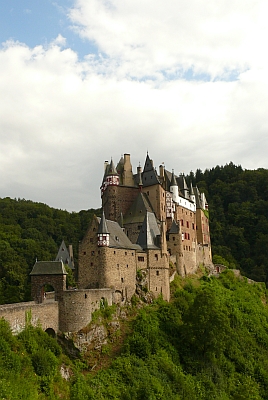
<point x="152" y="36"/>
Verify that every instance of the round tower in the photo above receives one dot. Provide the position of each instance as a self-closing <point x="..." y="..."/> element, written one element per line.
<point x="111" y="177"/>
<point x="174" y="189"/>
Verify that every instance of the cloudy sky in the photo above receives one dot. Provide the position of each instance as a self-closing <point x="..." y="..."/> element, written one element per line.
<point x="83" y="81"/>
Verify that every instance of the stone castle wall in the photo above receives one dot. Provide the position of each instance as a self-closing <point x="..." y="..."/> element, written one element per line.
<point x="45" y="315"/>
<point x="116" y="200"/>
<point x="77" y="306"/>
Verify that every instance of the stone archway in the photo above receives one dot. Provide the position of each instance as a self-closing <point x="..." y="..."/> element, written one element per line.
<point x="48" y="273"/>
<point x="51" y="332"/>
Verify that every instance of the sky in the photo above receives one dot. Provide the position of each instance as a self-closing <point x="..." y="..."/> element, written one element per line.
<point x="82" y="82"/>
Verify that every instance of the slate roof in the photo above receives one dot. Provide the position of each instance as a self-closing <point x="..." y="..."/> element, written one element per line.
<point x="138" y="209"/>
<point x="149" y="232"/>
<point x="48" y="268"/>
<point x="103" y="225"/>
<point x="63" y="255"/>
<point x="149" y="174"/>
<point x="118" y="238"/>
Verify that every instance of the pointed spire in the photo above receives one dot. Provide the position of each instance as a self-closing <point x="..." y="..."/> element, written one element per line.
<point x="103" y="225"/>
<point x="173" y="181"/>
<point x="112" y="169"/>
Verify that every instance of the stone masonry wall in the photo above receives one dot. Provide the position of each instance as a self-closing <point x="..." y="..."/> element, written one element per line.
<point x="46" y="315"/>
<point x="77" y="306"/>
<point x="117" y="200"/>
<point x="158" y="268"/>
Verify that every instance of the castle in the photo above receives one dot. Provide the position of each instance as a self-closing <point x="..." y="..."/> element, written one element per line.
<point x="150" y="221"/>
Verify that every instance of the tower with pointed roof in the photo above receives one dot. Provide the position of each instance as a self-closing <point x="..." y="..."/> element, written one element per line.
<point x="103" y="234"/>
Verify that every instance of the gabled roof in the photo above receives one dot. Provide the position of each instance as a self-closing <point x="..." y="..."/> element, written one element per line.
<point x="149" y="174"/>
<point x="138" y="209"/>
<point x="117" y="237"/>
<point x="48" y="268"/>
<point x="63" y="255"/>
<point x="149" y="232"/>
<point x="148" y="165"/>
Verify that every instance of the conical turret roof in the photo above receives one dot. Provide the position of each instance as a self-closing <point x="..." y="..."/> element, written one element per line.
<point x="173" y="181"/>
<point x="112" y="169"/>
<point x="103" y="225"/>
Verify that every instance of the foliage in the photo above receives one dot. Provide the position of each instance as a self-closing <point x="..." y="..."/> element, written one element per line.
<point x="210" y="342"/>
<point x="30" y="231"/>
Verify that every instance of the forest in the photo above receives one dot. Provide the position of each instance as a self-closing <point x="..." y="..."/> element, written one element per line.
<point x="209" y="342"/>
<point x="238" y="213"/>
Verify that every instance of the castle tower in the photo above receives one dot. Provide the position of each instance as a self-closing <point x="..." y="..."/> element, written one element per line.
<point x="174" y="189"/>
<point x="192" y="195"/>
<point x="176" y="247"/>
<point x="103" y="234"/>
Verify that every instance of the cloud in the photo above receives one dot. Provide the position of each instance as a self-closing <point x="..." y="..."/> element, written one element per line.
<point x="61" y="117"/>
<point x="175" y="36"/>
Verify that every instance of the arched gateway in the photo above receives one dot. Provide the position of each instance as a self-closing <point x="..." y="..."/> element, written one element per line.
<point x="48" y="273"/>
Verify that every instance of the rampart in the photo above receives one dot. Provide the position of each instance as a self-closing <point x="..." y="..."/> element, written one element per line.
<point x="19" y="314"/>
<point x="70" y="314"/>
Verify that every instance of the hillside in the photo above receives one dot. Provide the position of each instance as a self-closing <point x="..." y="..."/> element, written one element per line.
<point x="30" y="231"/>
<point x="209" y="342"/>
<point x="238" y="211"/>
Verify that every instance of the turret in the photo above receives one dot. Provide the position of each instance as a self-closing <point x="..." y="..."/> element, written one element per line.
<point x="111" y="176"/>
<point x="184" y="187"/>
<point x="174" y="189"/>
<point x="103" y="234"/>
<point x="192" y="195"/>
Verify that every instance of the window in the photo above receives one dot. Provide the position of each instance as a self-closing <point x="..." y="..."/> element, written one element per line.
<point x="122" y="280"/>
<point x="125" y="253"/>
<point x="93" y="253"/>
<point x="114" y="252"/>
<point x="173" y="238"/>
<point x="181" y="222"/>
<point x="85" y="253"/>
<point x="156" y="257"/>
<point x="91" y="264"/>
<point x="140" y="258"/>
<point x="157" y="273"/>
<point x="193" y="226"/>
<point x="187" y="224"/>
